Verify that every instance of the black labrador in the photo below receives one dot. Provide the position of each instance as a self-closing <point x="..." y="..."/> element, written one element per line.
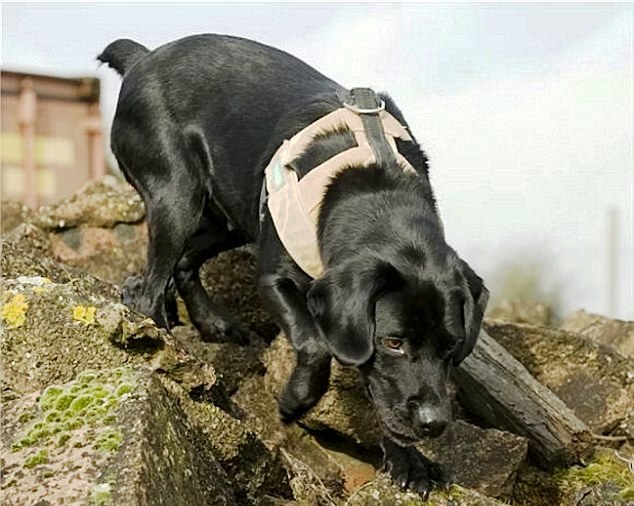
<point x="197" y="122"/>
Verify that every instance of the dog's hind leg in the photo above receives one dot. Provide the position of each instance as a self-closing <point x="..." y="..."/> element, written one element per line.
<point x="211" y="320"/>
<point x="170" y="187"/>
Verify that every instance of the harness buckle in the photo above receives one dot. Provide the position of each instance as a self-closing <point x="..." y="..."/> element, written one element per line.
<point x="360" y="110"/>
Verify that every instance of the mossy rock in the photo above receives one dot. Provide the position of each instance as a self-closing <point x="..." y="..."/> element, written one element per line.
<point x="56" y="442"/>
<point x="605" y="480"/>
<point x="103" y="203"/>
<point x="382" y="492"/>
<point x="109" y="437"/>
<point x="57" y="330"/>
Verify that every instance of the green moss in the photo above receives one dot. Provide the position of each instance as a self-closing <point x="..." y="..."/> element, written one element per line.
<point x="63" y="438"/>
<point x="80" y="404"/>
<point x="25" y="417"/>
<point x="605" y="467"/>
<point x="109" y="441"/>
<point x="123" y="390"/>
<point x="535" y="487"/>
<point x="88" y="402"/>
<point x="63" y="402"/>
<point x="40" y="457"/>
<point x="100" y="495"/>
<point x="50" y="396"/>
<point x="53" y="416"/>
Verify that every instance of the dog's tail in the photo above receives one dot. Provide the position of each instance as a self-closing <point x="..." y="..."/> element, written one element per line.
<point x="122" y="54"/>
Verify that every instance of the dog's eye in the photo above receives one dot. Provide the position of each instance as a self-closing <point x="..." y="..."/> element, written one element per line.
<point x="393" y="344"/>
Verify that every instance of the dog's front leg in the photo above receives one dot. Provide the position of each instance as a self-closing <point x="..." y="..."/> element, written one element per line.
<point x="309" y="379"/>
<point x="410" y="469"/>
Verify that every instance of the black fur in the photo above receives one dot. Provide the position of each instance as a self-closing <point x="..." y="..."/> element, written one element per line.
<point x="196" y="124"/>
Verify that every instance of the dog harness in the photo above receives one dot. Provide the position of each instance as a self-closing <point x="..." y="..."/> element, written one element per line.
<point x="294" y="203"/>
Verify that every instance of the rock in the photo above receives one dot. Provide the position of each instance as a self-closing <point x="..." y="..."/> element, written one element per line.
<point x="101" y="204"/>
<point x="255" y="471"/>
<point x="618" y="334"/>
<point x="57" y="326"/>
<point x="485" y="460"/>
<point x="344" y="408"/>
<point x="230" y="280"/>
<point x="108" y="438"/>
<point x="382" y="492"/>
<point x="26" y="251"/>
<point x="99" y="230"/>
<point x="604" y="481"/>
<point x="111" y="254"/>
<point x="233" y="363"/>
<point x="53" y="331"/>
<point x="593" y="380"/>
<point x="517" y="311"/>
<point x="301" y="451"/>
<point x="13" y="214"/>
<point x="308" y="488"/>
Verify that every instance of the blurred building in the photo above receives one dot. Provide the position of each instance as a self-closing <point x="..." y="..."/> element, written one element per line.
<point x="51" y="136"/>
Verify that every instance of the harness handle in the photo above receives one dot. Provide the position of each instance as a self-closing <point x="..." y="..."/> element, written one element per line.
<point x="366" y="103"/>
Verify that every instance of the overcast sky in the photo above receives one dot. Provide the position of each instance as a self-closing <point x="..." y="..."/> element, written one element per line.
<point x="525" y="110"/>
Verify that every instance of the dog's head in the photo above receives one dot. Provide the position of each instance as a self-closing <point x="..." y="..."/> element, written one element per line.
<point x="403" y="330"/>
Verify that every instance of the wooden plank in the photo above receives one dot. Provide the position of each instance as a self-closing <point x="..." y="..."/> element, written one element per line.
<point x="501" y="392"/>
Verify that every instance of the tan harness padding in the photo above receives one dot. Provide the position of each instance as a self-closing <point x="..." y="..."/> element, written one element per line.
<point x="294" y="204"/>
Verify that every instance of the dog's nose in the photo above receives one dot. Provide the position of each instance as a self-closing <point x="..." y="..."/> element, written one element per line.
<point x="431" y="421"/>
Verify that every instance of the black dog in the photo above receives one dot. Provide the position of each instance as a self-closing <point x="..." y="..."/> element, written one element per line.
<point x="197" y="122"/>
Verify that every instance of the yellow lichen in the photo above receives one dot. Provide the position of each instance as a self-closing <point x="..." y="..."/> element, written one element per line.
<point x="84" y="314"/>
<point x="14" y="311"/>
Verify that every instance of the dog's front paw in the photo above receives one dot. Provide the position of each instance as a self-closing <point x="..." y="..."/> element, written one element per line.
<point x="304" y="389"/>
<point x="411" y="470"/>
<point x="218" y="329"/>
<point x="132" y="296"/>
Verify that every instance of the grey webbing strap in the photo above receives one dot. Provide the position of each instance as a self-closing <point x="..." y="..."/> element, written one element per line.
<point x="365" y="102"/>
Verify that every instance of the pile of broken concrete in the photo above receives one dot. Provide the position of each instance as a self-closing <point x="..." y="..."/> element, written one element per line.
<point x="100" y="407"/>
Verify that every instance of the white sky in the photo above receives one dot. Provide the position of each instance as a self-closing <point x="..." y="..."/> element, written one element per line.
<point x="525" y="110"/>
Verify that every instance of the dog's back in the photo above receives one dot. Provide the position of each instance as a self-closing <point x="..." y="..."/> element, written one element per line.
<point x="224" y="90"/>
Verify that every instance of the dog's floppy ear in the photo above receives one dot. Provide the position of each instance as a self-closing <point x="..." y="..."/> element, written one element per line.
<point x="472" y="312"/>
<point x="343" y="302"/>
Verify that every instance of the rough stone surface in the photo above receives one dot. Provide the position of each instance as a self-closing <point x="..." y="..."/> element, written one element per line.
<point x="197" y="423"/>
<point x="108" y="438"/>
<point x="162" y="442"/>
<point x="604" y="480"/>
<point x="593" y="380"/>
<point x="486" y="460"/>
<point x="344" y="408"/>
<point x="26" y="252"/>
<point x="53" y="331"/>
<point x="234" y="364"/>
<point x="55" y="443"/>
<point x="516" y="311"/>
<point x="382" y="492"/>
<point x="111" y="254"/>
<point x="230" y="280"/>
<point x="254" y="470"/>
<point x="618" y="334"/>
<point x="99" y="204"/>
<point x="12" y="214"/>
